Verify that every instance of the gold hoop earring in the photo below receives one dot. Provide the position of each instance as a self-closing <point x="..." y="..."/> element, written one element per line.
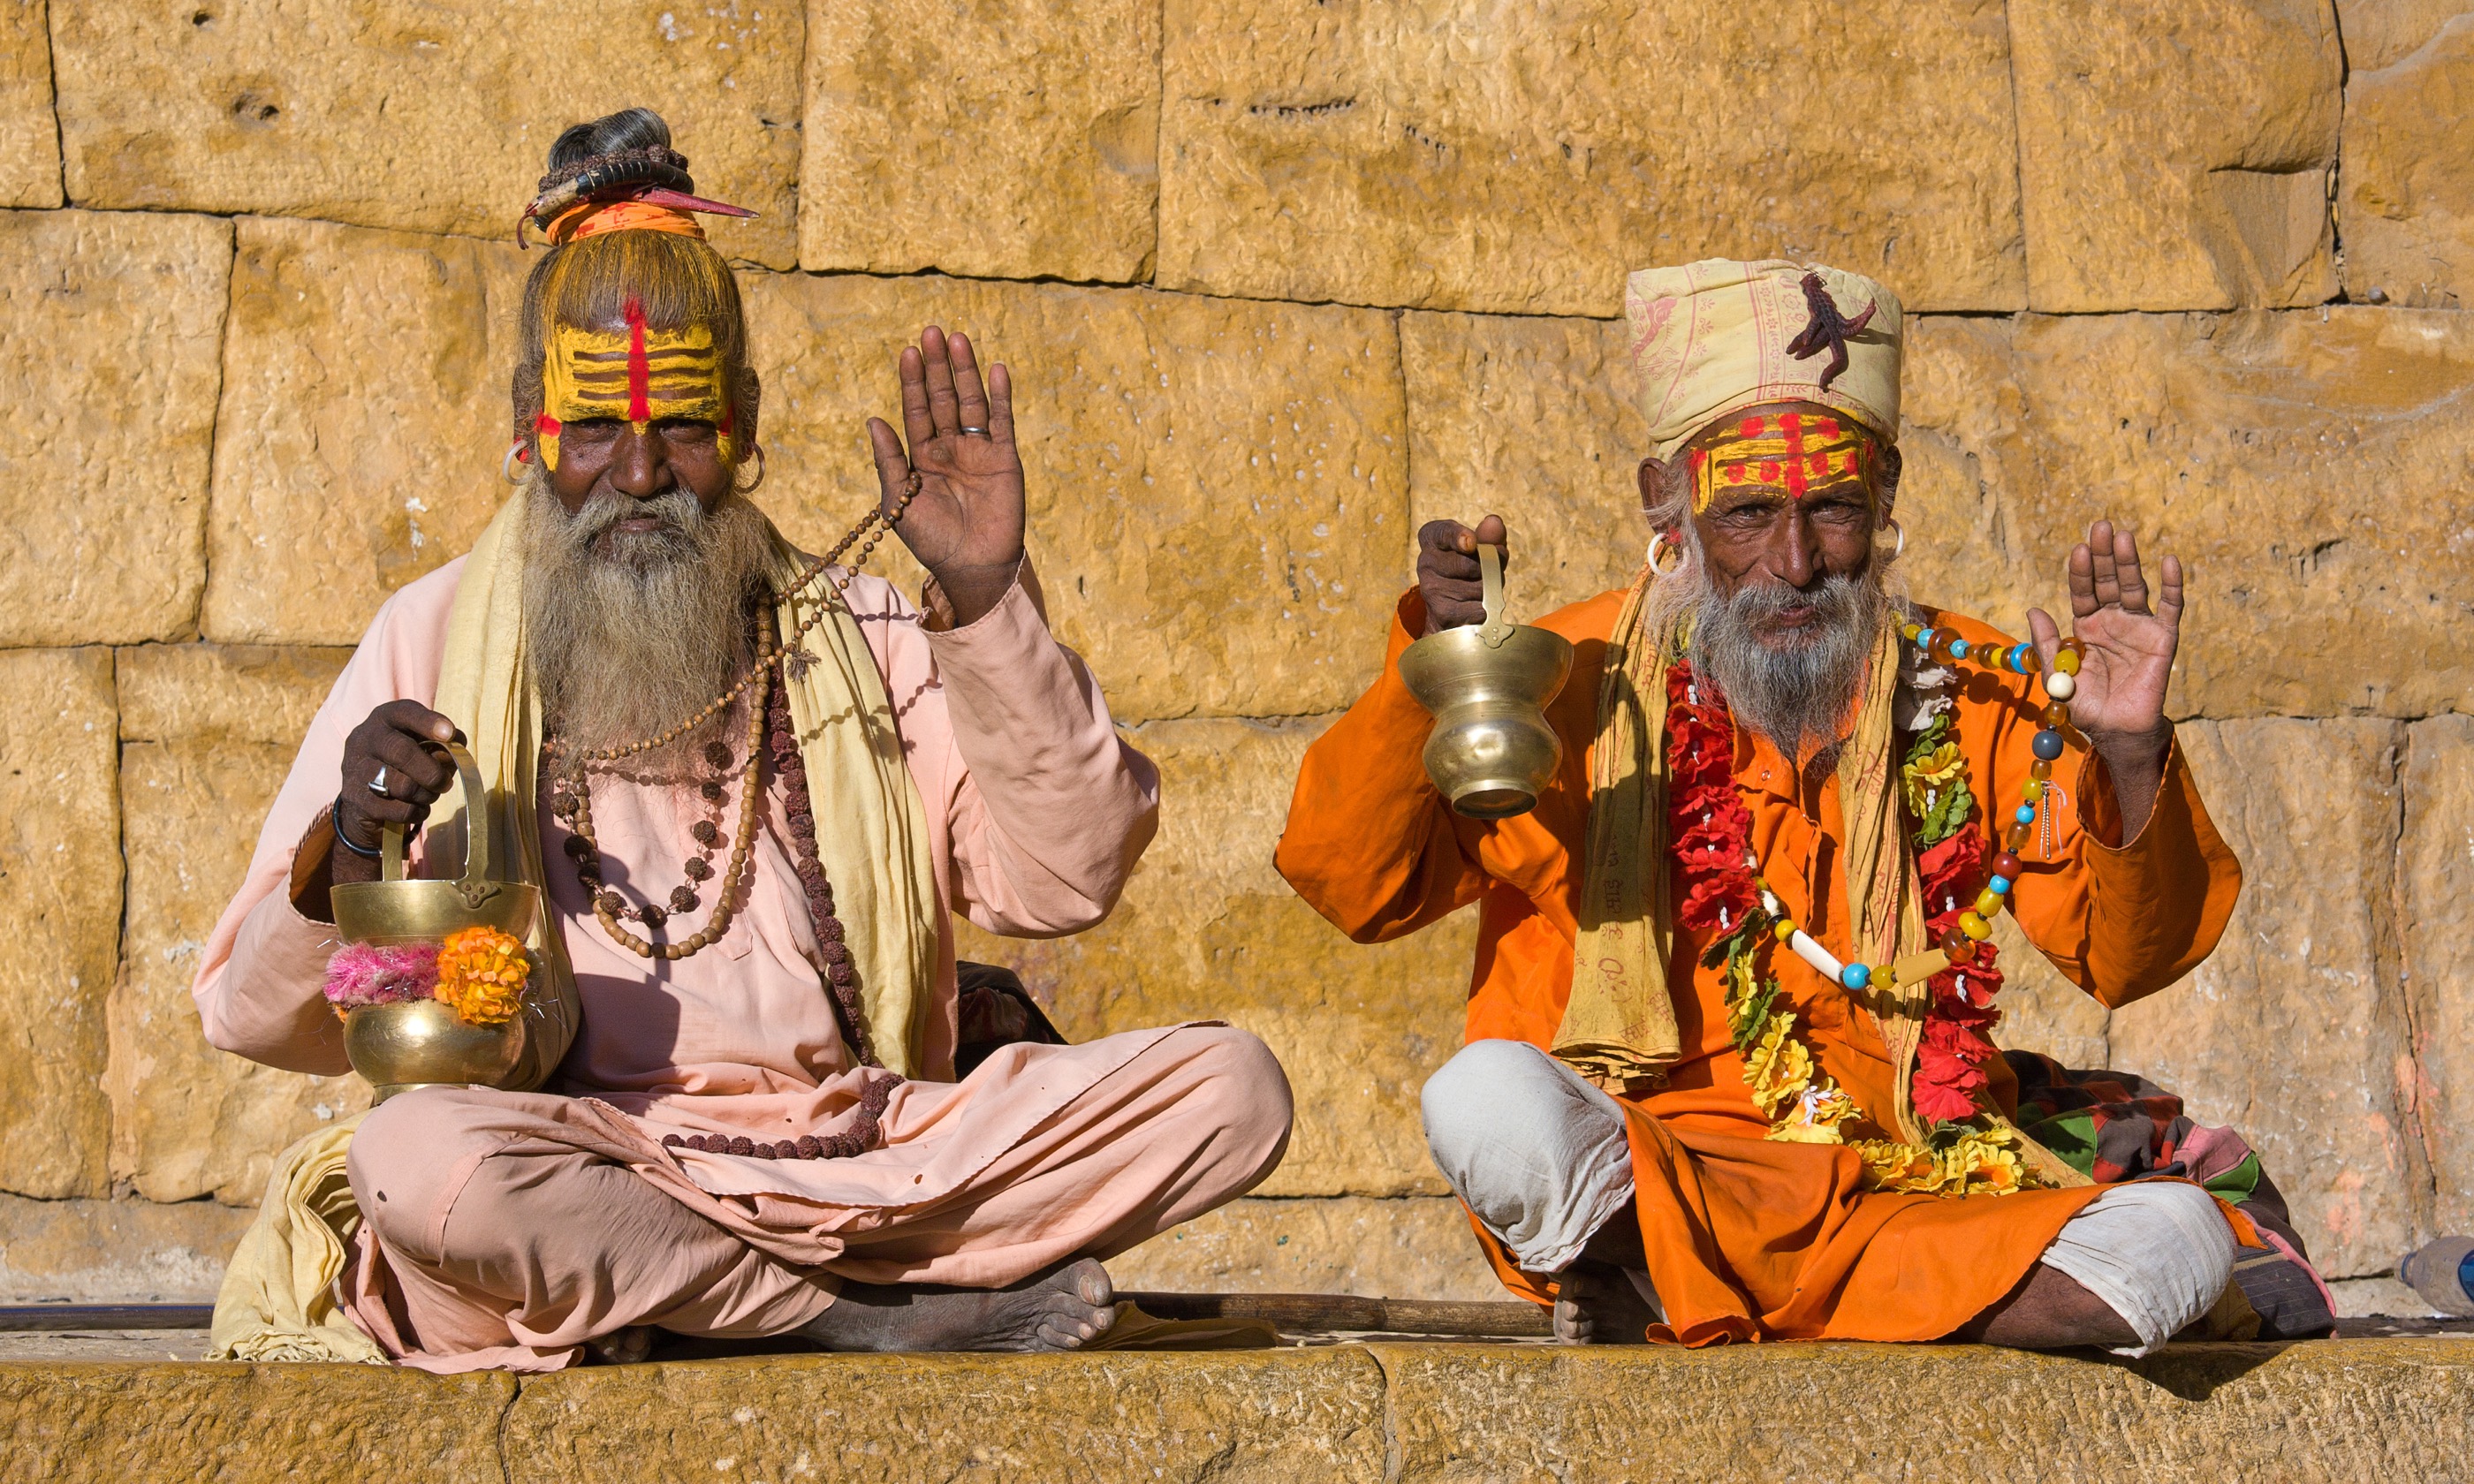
<point x="758" y="452"/>
<point x="507" y="465"/>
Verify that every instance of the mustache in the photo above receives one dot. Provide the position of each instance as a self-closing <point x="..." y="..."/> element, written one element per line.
<point x="1835" y="597"/>
<point x="682" y="520"/>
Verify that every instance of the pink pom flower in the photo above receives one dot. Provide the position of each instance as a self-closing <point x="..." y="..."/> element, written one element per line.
<point x="359" y="974"/>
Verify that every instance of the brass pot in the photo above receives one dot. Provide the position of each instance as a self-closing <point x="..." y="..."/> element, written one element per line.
<point x="1491" y="751"/>
<point x="422" y="1043"/>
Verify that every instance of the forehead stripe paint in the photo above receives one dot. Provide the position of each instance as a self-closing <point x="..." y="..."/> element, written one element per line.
<point x="640" y="393"/>
<point x="1791" y="451"/>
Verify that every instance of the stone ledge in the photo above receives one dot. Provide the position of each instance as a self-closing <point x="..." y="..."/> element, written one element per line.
<point x="2345" y="1409"/>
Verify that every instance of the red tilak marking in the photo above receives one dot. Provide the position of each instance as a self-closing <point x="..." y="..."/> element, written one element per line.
<point x="1793" y="425"/>
<point x="546" y="424"/>
<point x="639" y="375"/>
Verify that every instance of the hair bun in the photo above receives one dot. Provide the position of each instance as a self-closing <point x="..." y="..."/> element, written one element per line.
<point x="620" y="151"/>
<point x="653" y="164"/>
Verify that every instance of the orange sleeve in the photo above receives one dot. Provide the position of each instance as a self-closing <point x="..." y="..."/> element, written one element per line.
<point x="2155" y="906"/>
<point x="1369" y="841"/>
<point x="2120" y="919"/>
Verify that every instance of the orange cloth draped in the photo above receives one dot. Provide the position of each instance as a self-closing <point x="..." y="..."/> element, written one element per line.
<point x="1750" y="1239"/>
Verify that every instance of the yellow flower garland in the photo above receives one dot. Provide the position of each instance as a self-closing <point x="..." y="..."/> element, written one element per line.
<point x="1802" y="1110"/>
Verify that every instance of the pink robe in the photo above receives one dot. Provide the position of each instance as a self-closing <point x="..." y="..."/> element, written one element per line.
<point x="493" y="1233"/>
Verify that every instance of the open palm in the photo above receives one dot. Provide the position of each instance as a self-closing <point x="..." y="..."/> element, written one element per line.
<point x="965" y="525"/>
<point x="2129" y="645"/>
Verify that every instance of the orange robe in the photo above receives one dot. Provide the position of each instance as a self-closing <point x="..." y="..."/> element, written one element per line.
<point x="1750" y="1239"/>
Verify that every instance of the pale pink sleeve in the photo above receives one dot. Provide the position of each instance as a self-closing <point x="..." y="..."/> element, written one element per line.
<point x="1044" y="809"/>
<point x="257" y="987"/>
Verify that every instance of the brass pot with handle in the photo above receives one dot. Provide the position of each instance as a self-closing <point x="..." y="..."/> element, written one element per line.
<point x="422" y="1043"/>
<point x="1491" y="751"/>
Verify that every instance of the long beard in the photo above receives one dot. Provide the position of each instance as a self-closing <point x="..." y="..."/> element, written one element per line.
<point x="631" y="633"/>
<point x="1795" y="688"/>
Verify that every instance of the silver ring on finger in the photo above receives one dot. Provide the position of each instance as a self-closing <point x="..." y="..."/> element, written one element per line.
<point x="378" y="784"/>
<point x="974" y="432"/>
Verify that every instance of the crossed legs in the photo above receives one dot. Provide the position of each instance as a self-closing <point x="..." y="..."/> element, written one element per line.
<point x="1540" y="1159"/>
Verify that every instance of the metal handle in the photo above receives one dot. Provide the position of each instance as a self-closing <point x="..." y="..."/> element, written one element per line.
<point x="1490" y="570"/>
<point x="479" y="860"/>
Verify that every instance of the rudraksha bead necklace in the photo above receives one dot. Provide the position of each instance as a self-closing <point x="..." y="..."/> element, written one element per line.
<point x="799" y="819"/>
<point x="697" y="867"/>
<point x="575" y="802"/>
<point x="859" y="1139"/>
<point x="607" y="904"/>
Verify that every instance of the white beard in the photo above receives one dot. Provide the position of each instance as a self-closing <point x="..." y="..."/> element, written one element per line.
<point x="631" y="633"/>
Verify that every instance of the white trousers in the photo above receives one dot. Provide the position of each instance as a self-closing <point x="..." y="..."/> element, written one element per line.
<point x="1538" y="1155"/>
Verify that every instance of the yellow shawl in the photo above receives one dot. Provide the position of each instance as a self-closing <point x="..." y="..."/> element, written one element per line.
<point x="276" y="1300"/>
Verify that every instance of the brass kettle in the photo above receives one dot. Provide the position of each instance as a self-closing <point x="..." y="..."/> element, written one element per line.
<point x="1491" y="751"/>
<point x="420" y="1044"/>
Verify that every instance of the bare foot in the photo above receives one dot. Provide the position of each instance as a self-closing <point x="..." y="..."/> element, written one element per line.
<point x="1065" y="1307"/>
<point x="622" y="1347"/>
<point x="1597" y="1305"/>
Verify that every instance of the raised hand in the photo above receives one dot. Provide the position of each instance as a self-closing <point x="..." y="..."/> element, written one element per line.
<point x="2120" y="700"/>
<point x="1447" y="572"/>
<point x="966" y="524"/>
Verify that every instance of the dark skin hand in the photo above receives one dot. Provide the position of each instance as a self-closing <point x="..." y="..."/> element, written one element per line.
<point x="1755" y="535"/>
<point x="967" y="525"/>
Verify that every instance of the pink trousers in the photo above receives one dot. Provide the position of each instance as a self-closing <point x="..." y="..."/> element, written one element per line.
<point x="500" y="1228"/>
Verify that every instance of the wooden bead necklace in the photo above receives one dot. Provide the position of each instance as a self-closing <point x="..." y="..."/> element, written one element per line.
<point x="860" y="1138"/>
<point x="573" y="796"/>
<point x="607" y="904"/>
<point x="699" y="868"/>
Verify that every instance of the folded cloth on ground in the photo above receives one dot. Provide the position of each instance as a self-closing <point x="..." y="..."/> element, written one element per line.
<point x="279" y="1298"/>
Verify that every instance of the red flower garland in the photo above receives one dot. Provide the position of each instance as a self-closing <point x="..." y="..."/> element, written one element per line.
<point x="1707" y="824"/>
<point x="1949" y="1079"/>
<point x="1709" y="830"/>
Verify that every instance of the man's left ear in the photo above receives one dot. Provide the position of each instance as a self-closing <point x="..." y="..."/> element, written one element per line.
<point x="1893" y="464"/>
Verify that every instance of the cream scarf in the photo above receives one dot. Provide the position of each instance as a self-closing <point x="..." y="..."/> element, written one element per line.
<point x="275" y="1302"/>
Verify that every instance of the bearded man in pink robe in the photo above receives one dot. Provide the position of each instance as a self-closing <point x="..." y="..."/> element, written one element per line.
<point x="736" y="1112"/>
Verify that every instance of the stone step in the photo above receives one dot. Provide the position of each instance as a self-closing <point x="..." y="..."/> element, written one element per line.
<point x="2385" y="1410"/>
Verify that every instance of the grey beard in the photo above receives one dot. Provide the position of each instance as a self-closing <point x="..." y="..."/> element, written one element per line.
<point x="1797" y="691"/>
<point x="631" y="633"/>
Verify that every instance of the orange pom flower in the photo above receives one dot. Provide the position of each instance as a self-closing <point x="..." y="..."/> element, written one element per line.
<point x="481" y="974"/>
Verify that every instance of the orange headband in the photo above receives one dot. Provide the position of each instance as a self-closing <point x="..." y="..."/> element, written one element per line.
<point x="1797" y="451"/>
<point x="590" y="219"/>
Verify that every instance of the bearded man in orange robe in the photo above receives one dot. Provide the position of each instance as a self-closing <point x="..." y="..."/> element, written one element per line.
<point x="1727" y="1073"/>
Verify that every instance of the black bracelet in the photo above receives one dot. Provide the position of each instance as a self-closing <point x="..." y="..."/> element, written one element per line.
<point x="335" y="817"/>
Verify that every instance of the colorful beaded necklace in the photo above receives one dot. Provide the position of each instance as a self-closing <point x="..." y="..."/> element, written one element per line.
<point x="1957" y="944"/>
<point x="1721" y="890"/>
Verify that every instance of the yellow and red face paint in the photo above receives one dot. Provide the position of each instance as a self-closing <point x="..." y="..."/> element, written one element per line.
<point x="1793" y="451"/>
<point x="641" y="376"/>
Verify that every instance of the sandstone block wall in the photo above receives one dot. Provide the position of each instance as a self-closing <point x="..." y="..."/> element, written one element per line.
<point x="1279" y="280"/>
